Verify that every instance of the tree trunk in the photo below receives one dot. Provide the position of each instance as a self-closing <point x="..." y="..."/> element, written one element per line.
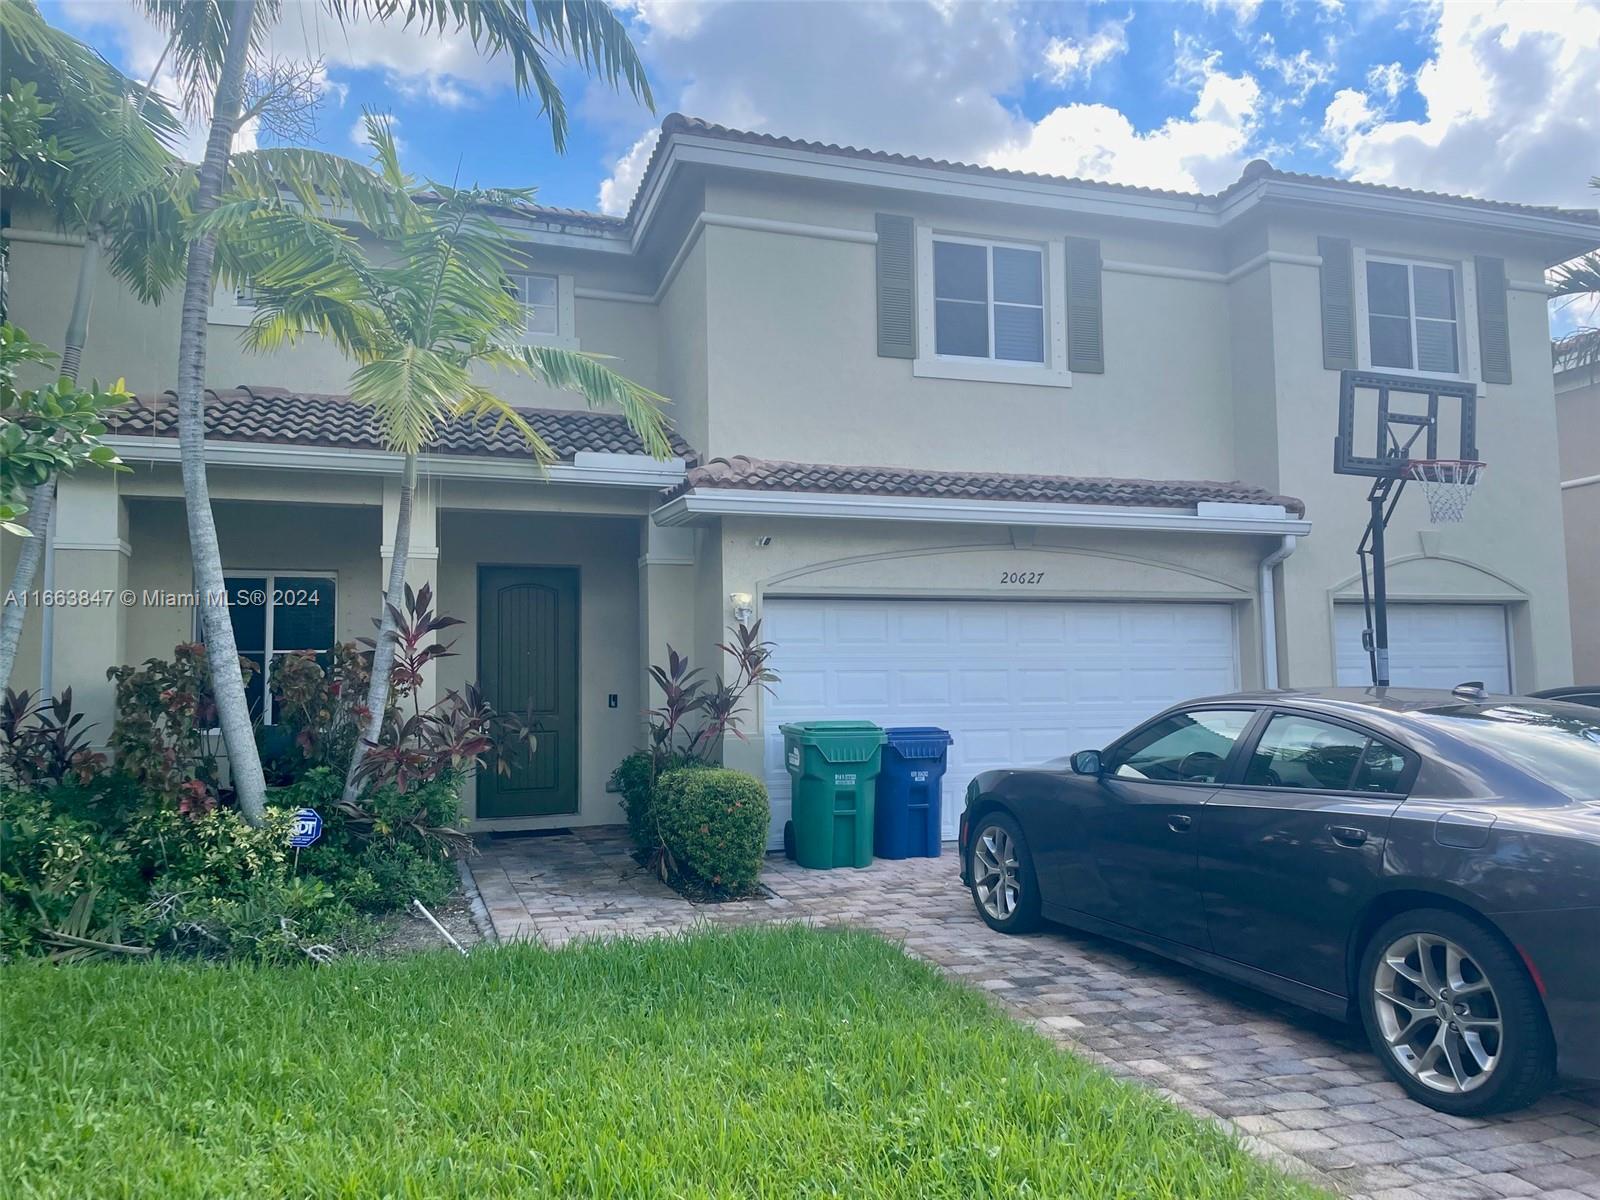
<point x="222" y="651"/>
<point x="383" y="653"/>
<point x="42" y="503"/>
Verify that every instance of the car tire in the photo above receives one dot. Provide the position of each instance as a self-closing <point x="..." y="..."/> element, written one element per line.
<point x="1009" y="903"/>
<point x="1494" y="1053"/>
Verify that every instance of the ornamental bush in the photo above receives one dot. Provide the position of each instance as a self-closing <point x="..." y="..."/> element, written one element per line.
<point x="714" y="823"/>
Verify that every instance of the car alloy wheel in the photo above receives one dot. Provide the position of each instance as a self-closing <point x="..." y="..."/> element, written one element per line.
<point x="995" y="873"/>
<point x="1438" y="1013"/>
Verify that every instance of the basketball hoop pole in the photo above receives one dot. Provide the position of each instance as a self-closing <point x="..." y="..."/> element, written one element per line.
<point x="1382" y="498"/>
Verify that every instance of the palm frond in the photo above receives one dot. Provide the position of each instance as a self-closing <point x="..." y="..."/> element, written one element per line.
<point x="586" y="374"/>
<point x="1580" y="277"/>
<point x="199" y="32"/>
<point x="337" y="187"/>
<point x="587" y="30"/>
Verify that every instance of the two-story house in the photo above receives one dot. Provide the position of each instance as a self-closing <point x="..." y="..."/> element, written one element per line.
<point x="1025" y="457"/>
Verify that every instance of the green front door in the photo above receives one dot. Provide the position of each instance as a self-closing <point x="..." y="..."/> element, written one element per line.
<point x="528" y="664"/>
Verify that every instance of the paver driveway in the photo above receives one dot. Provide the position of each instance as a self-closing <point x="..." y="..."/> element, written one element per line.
<point x="1301" y="1088"/>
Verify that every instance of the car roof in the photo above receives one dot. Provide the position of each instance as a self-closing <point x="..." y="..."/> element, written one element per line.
<point x="1353" y="702"/>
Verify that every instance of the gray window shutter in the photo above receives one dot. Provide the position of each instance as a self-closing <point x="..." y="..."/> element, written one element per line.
<point x="897" y="291"/>
<point x="1494" y="320"/>
<point x="1085" y="319"/>
<point x="1338" y="304"/>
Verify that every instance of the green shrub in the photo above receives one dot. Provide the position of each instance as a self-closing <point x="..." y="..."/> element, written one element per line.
<point x="714" y="822"/>
<point x="635" y="780"/>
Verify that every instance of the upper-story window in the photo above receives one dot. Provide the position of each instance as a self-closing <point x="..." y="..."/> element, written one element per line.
<point x="548" y="307"/>
<point x="1413" y="316"/>
<point x="233" y="305"/>
<point x="988" y="301"/>
<point x="989" y="310"/>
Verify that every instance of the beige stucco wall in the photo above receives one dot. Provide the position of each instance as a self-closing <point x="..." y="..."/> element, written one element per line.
<point x="1578" y="419"/>
<point x="1500" y="541"/>
<point x="795" y="372"/>
<point x="139" y="342"/>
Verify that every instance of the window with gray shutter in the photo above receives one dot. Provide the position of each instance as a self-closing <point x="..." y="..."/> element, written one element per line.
<point x="1337" y="285"/>
<point x="1085" y="317"/>
<point x="897" y="298"/>
<point x="1494" y="320"/>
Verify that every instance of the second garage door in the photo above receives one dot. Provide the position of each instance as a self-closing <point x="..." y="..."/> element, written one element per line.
<point x="1017" y="683"/>
<point x="1430" y="646"/>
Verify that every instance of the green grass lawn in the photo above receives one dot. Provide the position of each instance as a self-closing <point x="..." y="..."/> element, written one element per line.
<point x="776" y="1062"/>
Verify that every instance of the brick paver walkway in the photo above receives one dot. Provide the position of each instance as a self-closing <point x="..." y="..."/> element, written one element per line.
<point x="1298" y="1087"/>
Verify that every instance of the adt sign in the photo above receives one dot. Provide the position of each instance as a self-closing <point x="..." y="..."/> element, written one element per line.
<point x="307" y="827"/>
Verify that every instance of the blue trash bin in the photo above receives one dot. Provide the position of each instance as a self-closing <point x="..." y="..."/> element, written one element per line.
<point x="906" y="823"/>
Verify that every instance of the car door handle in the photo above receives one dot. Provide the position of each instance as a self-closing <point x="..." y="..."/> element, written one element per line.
<point x="1348" y="835"/>
<point x="1179" y="823"/>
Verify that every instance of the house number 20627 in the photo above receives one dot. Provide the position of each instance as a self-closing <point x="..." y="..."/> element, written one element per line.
<point x="1021" y="576"/>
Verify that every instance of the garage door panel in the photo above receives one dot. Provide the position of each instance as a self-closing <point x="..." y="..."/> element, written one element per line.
<point x="1016" y="682"/>
<point x="1430" y="645"/>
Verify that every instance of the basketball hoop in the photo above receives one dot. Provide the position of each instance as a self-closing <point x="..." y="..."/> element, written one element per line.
<point x="1447" y="485"/>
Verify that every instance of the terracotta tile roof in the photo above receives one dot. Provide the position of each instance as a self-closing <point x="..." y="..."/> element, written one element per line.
<point x="675" y="123"/>
<point x="278" y="417"/>
<point x="754" y="474"/>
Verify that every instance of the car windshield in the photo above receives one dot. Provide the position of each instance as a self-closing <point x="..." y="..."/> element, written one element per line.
<point x="1557" y="744"/>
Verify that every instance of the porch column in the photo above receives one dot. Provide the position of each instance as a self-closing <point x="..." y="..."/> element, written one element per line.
<point x="422" y="560"/>
<point x="666" y="602"/>
<point x="91" y="573"/>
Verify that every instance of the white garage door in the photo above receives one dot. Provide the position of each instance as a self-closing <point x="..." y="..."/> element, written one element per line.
<point x="1016" y="683"/>
<point x="1430" y="645"/>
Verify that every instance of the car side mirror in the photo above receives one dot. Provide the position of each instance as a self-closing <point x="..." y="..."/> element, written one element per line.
<point x="1086" y="762"/>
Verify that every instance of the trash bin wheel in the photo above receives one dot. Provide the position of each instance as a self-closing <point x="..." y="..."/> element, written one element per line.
<point x="788" y="839"/>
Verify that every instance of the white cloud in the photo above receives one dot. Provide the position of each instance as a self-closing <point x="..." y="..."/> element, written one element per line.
<point x="1511" y="111"/>
<point x="1390" y="79"/>
<point x="1066" y="59"/>
<point x="616" y="191"/>
<point x="1244" y="11"/>
<point x="915" y="78"/>
<point x="1301" y="72"/>
<point x="1203" y="151"/>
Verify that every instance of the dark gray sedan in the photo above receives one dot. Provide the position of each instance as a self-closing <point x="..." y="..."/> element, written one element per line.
<point x="1425" y="862"/>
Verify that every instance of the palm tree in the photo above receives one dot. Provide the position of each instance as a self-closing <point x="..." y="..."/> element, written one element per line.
<point x="418" y="325"/>
<point x="103" y="166"/>
<point x="211" y="46"/>
<point x="1580" y="278"/>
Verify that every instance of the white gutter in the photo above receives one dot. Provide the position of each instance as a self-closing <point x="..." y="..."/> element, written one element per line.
<point x="610" y="470"/>
<point x="1581" y="481"/>
<point x="702" y="504"/>
<point x="1269" y="611"/>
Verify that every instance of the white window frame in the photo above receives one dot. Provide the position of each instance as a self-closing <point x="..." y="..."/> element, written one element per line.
<point x="566" y="335"/>
<point x="1466" y="314"/>
<point x="225" y="308"/>
<point x="232" y="573"/>
<point x="930" y="364"/>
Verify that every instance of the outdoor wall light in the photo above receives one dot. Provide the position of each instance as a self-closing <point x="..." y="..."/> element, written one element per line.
<point x="743" y="606"/>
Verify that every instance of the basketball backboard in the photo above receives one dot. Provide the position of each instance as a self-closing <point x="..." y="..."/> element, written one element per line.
<point x="1387" y="420"/>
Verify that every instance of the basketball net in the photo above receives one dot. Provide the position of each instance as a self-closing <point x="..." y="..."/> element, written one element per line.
<point x="1447" y="485"/>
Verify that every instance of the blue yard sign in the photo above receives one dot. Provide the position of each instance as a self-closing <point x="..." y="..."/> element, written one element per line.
<point x="307" y="828"/>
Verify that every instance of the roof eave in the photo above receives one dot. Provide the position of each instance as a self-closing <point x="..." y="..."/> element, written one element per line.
<point x="702" y="504"/>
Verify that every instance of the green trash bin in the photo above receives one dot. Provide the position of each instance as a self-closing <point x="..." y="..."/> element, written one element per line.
<point x="833" y="766"/>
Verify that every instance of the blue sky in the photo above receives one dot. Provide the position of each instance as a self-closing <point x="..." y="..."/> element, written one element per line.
<point x="1497" y="99"/>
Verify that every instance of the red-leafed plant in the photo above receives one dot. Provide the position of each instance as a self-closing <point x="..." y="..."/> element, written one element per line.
<point x="43" y="742"/>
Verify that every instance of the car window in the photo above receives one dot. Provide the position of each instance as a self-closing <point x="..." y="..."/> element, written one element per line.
<point x="1554" y="742"/>
<point x="1302" y="752"/>
<point x="1187" y="747"/>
